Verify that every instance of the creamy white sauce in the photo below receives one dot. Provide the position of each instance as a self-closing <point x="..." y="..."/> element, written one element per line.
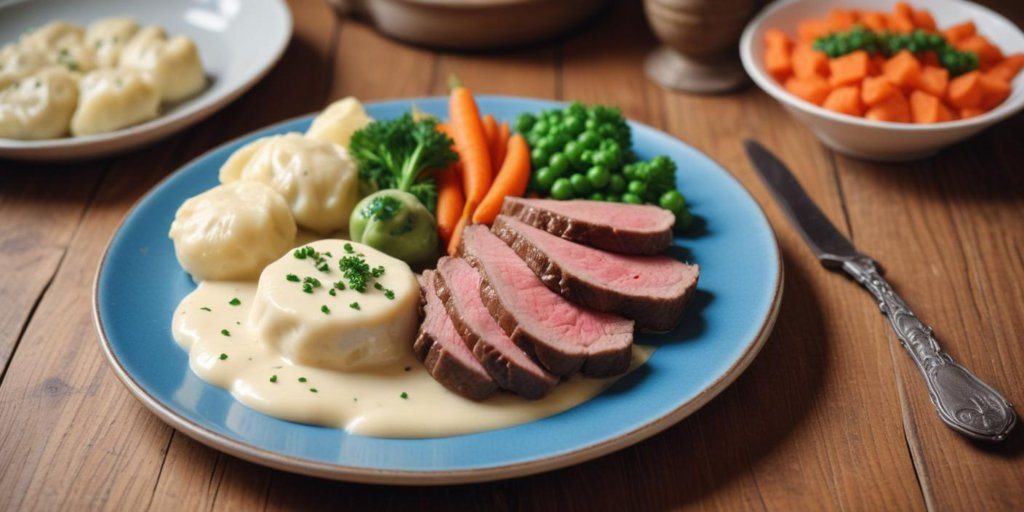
<point x="368" y="403"/>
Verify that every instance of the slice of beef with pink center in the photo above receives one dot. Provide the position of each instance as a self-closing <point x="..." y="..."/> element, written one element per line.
<point x="563" y="336"/>
<point x="617" y="227"/>
<point x="652" y="290"/>
<point x="443" y="352"/>
<point x="458" y="287"/>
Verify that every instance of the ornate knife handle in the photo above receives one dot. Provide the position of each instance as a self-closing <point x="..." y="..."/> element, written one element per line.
<point x="963" y="401"/>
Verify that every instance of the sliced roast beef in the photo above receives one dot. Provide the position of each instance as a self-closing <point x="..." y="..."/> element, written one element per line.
<point x="616" y="227"/>
<point x="458" y="287"/>
<point x="564" y="337"/>
<point x="443" y="352"/>
<point x="652" y="290"/>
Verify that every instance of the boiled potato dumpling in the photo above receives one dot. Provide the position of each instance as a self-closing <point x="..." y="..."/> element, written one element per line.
<point x="17" y="63"/>
<point x="174" y="63"/>
<point x="231" y="232"/>
<point x="39" y="107"/>
<point x="339" y="121"/>
<point x="296" y="324"/>
<point x="108" y="37"/>
<point x="317" y="178"/>
<point x="53" y="36"/>
<point x="111" y="99"/>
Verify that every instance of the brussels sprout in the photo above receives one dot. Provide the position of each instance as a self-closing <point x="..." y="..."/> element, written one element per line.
<point x="395" y="223"/>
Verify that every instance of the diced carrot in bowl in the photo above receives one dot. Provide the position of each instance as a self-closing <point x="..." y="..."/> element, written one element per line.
<point x="903" y="70"/>
<point x="874" y="21"/>
<point x="965" y="91"/>
<point x="810" y="30"/>
<point x="775" y="38"/>
<point x="813" y="89"/>
<point x="900" y="24"/>
<point x="934" y="80"/>
<point x="845" y="100"/>
<point x="893" y="109"/>
<point x="778" y="62"/>
<point x="967" y="113"/>
<point x="841" y="21"/>
<point x="848" y="69"/>
<point x="958" y="33"/>
<point x="1008" y="67"/>
<point x="809" y="62"/>
<point x="994" y="90"/>
<point x="875" y="90"/>
<point x="925" y="108"/>
<point x="987" y="52"/>
<point x="924" y="20"/>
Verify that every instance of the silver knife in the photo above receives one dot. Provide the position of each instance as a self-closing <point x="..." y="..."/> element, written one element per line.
<point x="962" y="400"/>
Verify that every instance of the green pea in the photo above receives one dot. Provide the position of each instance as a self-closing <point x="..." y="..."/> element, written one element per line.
<point x="604" y="158"/>
<point x="540" y="127"/>
<point x="561" y="189"/>
<point x="574" y="125"/>
<point x="637" y="187"/>
<point x="525" y="122"/>
<point x="596" y="196"/>
<point x="538" y="157"/>
<point x="545" y="178"/>
<point x="580" y="184"/>
<point x="629" y="172"/>
<point x="591" y="124"/>
<point x="548" y="144"/>
<point x="613" y="198"/>
<point x="589" y="139"/>
<point x="616" y="184"/>
<point x="598" y="176"/>
<point x="558" y="163"/>
<point x="672" y="200"/>
<point x="587" y="157"/>
<point x="631" y="198"/>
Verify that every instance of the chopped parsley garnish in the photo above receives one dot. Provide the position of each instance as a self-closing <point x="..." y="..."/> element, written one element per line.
<point x="273" y="378"/>
<point x="349" y="249"/>
<point x="223" y="357"/>
<point x="354" y="305"/>
<point x="225" y="332"/>
<point x="331" y="292"/>
<point x="302" y="379"/>
<point x="326" y="310"/>
<point x="306" y="287"/>
<point x="312" y="390"/>
<point x="389" y="294"/>
<point x="324" y="268"/>
<point x="339" y="285"/>
<point x="303" y="252"/>
<point x="204" y="308"/>
<point x="404" y="395"/>
<point x="328" y="254"/>
<point x="312" y="281"/>
<point x="235" y="301"/>
<point x="293" y="278"/>
<point x="378" y="286"/>
<point x="378" y="271"/>
<point x="356" y="271"/>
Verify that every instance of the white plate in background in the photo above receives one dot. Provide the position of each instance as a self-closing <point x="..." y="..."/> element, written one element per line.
<point x="239" y="41"/>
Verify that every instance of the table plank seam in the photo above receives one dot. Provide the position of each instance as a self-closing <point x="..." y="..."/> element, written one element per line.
<point x="163" y="462"/>
<point x="56" y="270"/>
<point x="842" y="195"/>
<point x="909" y="426"/>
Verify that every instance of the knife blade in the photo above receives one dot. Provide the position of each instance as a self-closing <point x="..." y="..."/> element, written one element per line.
<point x="964" y="402"/>
<point x="828" y="244"/>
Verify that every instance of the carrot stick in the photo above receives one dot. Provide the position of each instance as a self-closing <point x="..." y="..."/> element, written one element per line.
<point x="491" y="132"/>
<point x="471" y="143"/>
<point x="453" y="244"/>
<point x="502" y="147"/>
<point x="511" y="181"/>
<point x="450" y="201"/>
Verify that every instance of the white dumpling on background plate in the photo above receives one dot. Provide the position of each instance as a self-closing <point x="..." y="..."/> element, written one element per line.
<point x="339" y="121"/>
<point x="53" y="36"/>
<point x="17" y="63"/>
<point x="111" y="99"/>
<point x="317" y="178"/>
<point x="40" y="106"/>
<point x="174" y="63"/>
<point x="232" y="232"/>
<point x="108" y="36"/>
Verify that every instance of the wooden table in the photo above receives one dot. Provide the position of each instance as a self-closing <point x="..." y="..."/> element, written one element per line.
<point x="831" y="415"/>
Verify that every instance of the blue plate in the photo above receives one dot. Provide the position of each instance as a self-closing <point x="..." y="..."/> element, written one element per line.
<point x="139" y="283"/>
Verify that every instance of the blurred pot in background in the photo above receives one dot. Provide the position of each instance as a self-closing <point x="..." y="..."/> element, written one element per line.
<point x="472" y="24"/>
<point x="700" y="39"/>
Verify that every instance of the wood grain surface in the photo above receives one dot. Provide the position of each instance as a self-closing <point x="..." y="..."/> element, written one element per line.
<point x="831" y="416"/>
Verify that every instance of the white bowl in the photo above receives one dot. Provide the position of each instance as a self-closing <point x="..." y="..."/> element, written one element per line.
<point x="239" y="41"/>
<point x="875" y="140"/>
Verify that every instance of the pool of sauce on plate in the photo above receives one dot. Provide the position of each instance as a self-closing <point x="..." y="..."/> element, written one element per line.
<point x="400" y="400"/>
